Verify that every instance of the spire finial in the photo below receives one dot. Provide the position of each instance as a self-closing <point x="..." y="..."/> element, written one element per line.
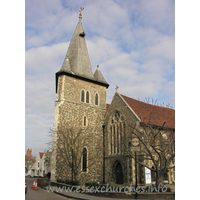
<point x="116" y="88"/>
<point x="80" y="14"/>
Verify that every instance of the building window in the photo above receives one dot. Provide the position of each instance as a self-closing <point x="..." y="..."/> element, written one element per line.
<point x="84" y="121"/>
<point x="87" y="97"/>
<point x="114" y="139"/>
<point x="82" y="96"/>
<point x="117" y="134"/>
<point x="96" y="99"/>
<point x="84" y="164"/>
<point x="38" y="164"/>
<point x="118" y="140"/>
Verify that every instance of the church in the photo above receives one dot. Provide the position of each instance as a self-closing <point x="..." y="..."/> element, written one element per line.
<point x="91" y="139"/>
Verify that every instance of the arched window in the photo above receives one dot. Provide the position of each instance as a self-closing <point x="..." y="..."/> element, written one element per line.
<point x="84" y="164"/>
<point x="117" y="134"/>
<point x="114" y="139"/>
<point x="96" y="99"/>
<point x="87" y="97"/>
<point x="82" y="96"/>
<point x="84" y="121"/>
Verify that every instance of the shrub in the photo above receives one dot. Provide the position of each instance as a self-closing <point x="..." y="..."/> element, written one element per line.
<point x="43" y="182"/>
<point x="67" y="181"/>
<point x="59" y="180"/>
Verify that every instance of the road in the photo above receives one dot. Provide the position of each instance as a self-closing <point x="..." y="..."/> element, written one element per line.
<point x="40" y="194"/>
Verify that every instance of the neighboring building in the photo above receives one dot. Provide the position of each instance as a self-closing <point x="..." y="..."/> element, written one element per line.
<point x="29" y="161"/>
<point x="81" y="104"/>
<point x="38" y="168"/>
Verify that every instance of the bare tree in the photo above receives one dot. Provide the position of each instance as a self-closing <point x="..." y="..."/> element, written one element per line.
<point x="50" y="143"/>
<point x="157" y="147"/>
<point x="70" y="145"/>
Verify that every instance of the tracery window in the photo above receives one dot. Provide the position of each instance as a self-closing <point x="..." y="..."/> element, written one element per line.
<point x="117" y="134"/>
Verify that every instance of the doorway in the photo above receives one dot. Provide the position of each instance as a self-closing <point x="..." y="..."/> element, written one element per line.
<point x="118" y="173"/>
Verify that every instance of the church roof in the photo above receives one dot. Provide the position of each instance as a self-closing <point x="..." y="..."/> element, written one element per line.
<point x="78" y="54"/>
<point x="107" y="107"/>
<point x="152" y="114"/>
<point x="77" y="61"/>
<point x="98" y="76"/>
<point x="65" y="67"/>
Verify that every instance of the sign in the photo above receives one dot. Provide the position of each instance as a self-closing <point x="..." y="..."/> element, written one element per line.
<point x="135" y="148"/>
<point x="135" y="143"/>
<point x="147" y="173"/>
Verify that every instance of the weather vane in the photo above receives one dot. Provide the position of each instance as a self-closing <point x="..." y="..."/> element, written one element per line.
<point x="80" y="15"/>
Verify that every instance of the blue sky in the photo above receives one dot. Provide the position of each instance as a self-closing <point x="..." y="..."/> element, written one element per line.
<point x="133" y="41"/>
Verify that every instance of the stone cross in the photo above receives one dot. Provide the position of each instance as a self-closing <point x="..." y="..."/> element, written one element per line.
<point x="116" y="88"/>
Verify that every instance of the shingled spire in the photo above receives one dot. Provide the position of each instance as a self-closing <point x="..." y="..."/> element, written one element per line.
<point x="78" y="54"/>
<point x="77" y="61"/>
<point x="98" y="76"/>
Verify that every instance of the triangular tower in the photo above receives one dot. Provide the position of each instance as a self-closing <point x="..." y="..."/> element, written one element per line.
<point x="80" y="105"/>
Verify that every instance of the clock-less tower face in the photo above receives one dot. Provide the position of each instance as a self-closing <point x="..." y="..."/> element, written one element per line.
<point x="80" y="105"/>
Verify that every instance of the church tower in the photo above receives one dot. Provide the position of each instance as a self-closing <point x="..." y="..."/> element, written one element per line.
<point x="80" y="109"/>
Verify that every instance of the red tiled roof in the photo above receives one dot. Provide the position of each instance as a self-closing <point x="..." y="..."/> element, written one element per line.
<point x="41" y="154"/>
<point x="107" y="107"/>
<point x="152" y="114"/>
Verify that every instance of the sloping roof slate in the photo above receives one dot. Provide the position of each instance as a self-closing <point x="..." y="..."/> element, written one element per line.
<point x="98" y="76"/>
<point x="152" y="114"/>
<point x="107" y="107"/>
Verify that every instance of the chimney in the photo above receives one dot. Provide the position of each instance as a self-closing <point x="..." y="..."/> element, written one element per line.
<point x="28" y="154"/>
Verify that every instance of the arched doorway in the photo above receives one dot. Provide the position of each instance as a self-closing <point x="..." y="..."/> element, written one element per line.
<point x="119" y="173"/>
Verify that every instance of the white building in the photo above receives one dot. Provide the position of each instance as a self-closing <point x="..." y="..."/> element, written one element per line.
<point x="38" y="168"/>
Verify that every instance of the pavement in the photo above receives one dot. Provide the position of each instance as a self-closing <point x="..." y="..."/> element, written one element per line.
<point x="81" y="196"/>
<point x="70" y="195"/>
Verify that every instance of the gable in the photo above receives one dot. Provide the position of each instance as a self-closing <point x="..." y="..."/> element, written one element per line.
<point x="152" y="114"/>
<point x="41" y="154"/>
